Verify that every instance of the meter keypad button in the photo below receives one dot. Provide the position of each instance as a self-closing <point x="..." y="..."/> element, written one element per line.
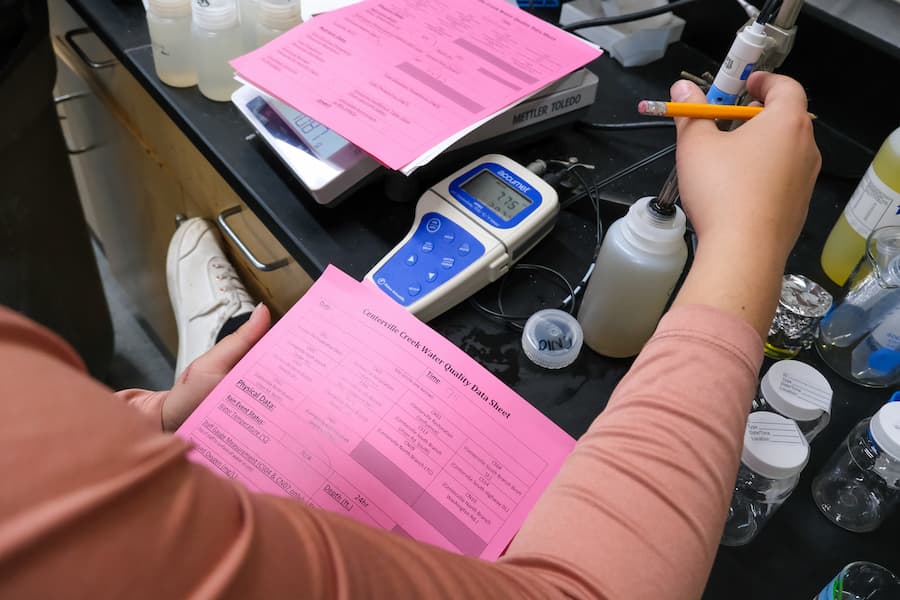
<point x="438" y="251"/>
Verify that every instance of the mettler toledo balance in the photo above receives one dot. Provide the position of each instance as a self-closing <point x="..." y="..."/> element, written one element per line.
<point x="469" y="229"/>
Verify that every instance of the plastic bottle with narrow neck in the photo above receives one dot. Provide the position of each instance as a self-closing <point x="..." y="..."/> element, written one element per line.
<point x="875" y="203"/>
<point x="274" y="17"/>
<point x="169" y="24"/>
<point x="639" y="263"/>
<point x="217" y="40"/>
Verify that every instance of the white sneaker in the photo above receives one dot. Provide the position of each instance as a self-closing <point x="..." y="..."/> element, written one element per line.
<point x="204" y="289"/>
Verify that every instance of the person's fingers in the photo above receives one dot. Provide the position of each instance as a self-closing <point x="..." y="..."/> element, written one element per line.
<point x="202" y="375"/>
<point x="225" y="354"/>
<point x="687" y="91"/>
<point x="777" y="90"/>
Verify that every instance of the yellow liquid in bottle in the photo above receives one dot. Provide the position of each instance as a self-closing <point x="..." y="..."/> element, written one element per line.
<point x="845" y="246"/>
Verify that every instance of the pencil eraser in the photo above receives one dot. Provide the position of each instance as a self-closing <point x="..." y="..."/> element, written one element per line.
<point x="642" y="107"/>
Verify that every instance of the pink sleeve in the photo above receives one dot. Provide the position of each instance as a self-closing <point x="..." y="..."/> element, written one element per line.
<point x="111" y="507"/>
<point x="639" y="506"/>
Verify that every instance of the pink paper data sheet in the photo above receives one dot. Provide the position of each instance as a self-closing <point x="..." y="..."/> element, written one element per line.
<point x="352" y="405"/>
<point x="398" y="77"/>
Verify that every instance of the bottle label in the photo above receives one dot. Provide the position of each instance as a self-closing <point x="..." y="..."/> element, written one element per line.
<point x="810" y="391"/>
<point x="887" y="333"/>
<point x="833" y="591"/>
<point x="872" y="205"/>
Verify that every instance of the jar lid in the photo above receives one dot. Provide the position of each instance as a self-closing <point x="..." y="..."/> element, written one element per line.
<point x="803" y="296"/>
<point x="797" y="390"/>
<point x="885" y="429"/>
<point x="216" y="17"/>
<point x="278" y="14"/>
<point x="552" y="338"/>
<point x="774" y="446"/>
<point x="171" y="9"/>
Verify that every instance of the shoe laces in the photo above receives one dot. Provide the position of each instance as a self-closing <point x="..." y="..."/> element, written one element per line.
<point x="229" y="285"/>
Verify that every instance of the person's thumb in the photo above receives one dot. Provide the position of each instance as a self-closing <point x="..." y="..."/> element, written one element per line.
<point x="202" y="375"/>
<point x="687" y="91"/>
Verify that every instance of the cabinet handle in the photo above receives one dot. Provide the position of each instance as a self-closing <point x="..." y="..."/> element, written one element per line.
<point x="65" y="98"/>
<point x="70" y="37"/>
<point x="223" y="225"/>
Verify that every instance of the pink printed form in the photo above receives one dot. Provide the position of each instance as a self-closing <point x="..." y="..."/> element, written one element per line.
<point x="398" y="77"/>
<point x="351" y="404"/>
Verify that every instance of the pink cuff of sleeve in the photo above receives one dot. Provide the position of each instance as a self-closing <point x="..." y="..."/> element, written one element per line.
<point x="147" y="402"/>
<point x="714" y="326"/>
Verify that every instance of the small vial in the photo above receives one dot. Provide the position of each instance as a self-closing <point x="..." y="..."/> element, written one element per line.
<point x="860" y="485"/>
<point x="249" y="10"/>
<point x="796" y="390"/>
<point x="862" y="579"/>
<point x="217" y="40"/>
<point x="169" y="23"/>
<point x="772" y="459"/>
<point x="274" y="18"/>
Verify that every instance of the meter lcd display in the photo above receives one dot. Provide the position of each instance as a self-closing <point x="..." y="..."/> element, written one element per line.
<point x="496" y="194"/>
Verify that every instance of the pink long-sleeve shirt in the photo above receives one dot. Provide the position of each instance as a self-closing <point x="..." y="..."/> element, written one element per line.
<point x="97" y="503"/>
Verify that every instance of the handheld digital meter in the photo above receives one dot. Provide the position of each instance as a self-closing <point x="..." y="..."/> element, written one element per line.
<point x="469" y="229"/>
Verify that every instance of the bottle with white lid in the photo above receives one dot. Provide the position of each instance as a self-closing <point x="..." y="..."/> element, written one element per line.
<point x="859" y="487"/>
<point x="796" y="390"/>
<point x="275" y="17"/>
<point x="639" y="263"/>
<point x="772" y="459"/>
<point x="169" y="23"/>
<point x="217" y="40"/>
<point x="248" y="10"/>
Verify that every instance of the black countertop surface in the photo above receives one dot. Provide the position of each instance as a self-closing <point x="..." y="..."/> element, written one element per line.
<point x="799" y="550"/>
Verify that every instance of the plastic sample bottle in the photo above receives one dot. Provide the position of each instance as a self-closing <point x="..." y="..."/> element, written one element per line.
<point x="797" y="391"/>
<point x="637" y="268"/>
<point x="772" y="459"/>
<point x="875" y="203"/>
<point x="862" y="581"/>
<point x="274" y="17"/>
<point x="248" y="10"/>
<point x="169" y="22"/>
<point x="217" y="40"/>
<point x="860" y="484"/>
<point x="875" y="361"/>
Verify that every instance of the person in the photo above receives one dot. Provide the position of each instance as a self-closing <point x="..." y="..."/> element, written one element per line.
<point x="98" y="502"/>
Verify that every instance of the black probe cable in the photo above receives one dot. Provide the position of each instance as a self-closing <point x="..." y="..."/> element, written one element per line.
<point x="635" y="16"/>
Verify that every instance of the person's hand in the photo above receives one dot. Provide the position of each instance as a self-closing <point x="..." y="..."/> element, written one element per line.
<point x="753" y="182"/>
<point x="202" y="375"/>
<point x="746" y="192"/>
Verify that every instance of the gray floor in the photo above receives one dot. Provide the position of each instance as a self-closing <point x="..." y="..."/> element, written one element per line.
<point x="138" y="362"/>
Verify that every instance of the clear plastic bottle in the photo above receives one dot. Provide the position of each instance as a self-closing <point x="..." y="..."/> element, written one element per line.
<point x="875" y="361"/>
<point x="860" y="485"/>
<point x="639" y="263"/>
<point x="797" y="391"/>
<point x="169" y="23"/>
<point x="772" y="459"/>
<point x="249" y="10"/>
<point x="862" y="580"/>
<point x="875" y="203"/>
<point x="274" y="17"/>
<point x="217" y="40"/>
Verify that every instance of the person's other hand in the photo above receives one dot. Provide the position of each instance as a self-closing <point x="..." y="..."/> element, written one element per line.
<point x="202" y="375"/>
<point x="752" y="185"/>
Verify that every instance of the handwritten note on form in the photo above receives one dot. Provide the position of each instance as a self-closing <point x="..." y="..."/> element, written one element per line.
<point x="352" y="405"/>
<point x="399" y="77"/>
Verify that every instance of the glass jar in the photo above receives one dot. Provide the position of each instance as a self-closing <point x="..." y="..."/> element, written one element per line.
<point x="169" y="24"/>
<point x="217" y="40"/>
<point x="860" y="337"/>
<point x="772" y="459"/>
<point x="796" y="390"/>
<point x="860" y="484"/>
<point x="862" y="580"/>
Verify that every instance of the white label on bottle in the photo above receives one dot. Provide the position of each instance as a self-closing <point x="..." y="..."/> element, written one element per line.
<point x="872" y="204"/>
<point x="887" y="334"/>
<point x="774" y="433"/>
<point x="806" y="390"/>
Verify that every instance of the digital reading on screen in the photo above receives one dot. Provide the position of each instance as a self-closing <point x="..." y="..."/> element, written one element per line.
<point x="494" y="193"/>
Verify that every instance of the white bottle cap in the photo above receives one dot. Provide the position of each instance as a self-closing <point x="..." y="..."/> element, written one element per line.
<point x="216" y="17"/>
<point x="279" y="15"/>
<point x="796" y="390"/>
<point x="885" y="429"/>
<point x="170" y="9"/>
<point x="652" y="233"/>
<point x="774" y="446"/>
<point x="552" y="338"/>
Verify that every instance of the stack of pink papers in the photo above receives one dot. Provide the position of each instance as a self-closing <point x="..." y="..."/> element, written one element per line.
<point x="352" y="405"/>
<point x="404" y="79"/>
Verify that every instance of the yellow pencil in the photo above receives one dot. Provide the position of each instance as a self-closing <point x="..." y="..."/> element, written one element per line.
<point x="658" y="108"/>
